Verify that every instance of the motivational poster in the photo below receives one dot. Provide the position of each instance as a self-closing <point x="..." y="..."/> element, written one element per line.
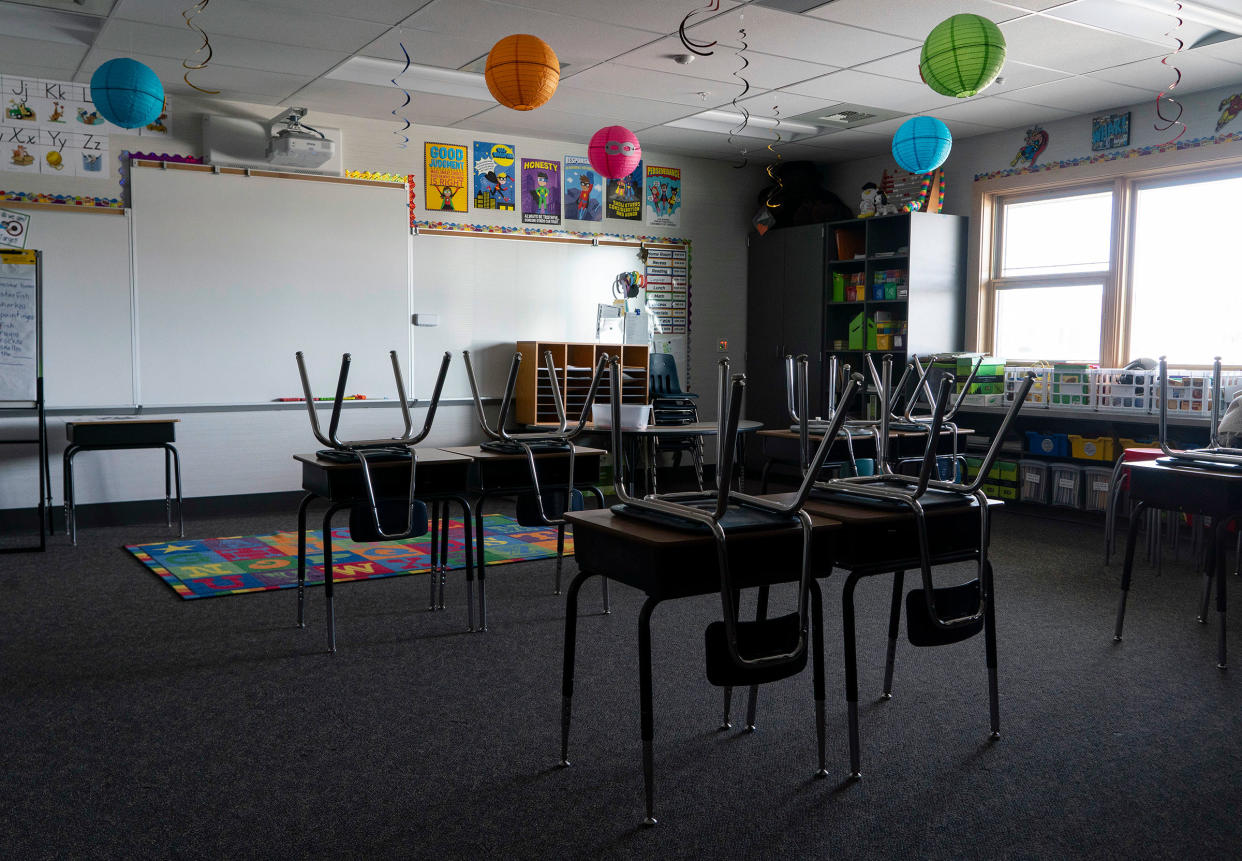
<point x="494" y="176"/>
<point x="541" y="191"/>
<point x="445" y="175"/>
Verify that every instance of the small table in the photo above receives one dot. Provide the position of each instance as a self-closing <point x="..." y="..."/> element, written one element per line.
<point x="1216" y="493"/>
<point x="439" y="476"/>
<point x="501" y="474"/>
<point x="122" y="433"/>
<point x="668" y="563"/>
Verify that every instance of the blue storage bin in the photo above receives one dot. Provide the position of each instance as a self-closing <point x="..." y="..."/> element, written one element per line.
<point x="1050" y="444"/>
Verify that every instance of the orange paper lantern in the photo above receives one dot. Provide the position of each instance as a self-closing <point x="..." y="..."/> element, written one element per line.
<point x="522" y="72"/>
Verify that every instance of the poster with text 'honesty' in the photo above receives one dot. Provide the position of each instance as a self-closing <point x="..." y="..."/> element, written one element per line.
<point x="663" y="196"/>
<point x="541" y="191"/>
<point x="625" y="196"/>
<point x="494" y="176"/>
<point x="445" y="174"/>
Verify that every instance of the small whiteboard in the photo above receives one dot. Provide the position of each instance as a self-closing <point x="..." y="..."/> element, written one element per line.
<point x="19" y="328"/>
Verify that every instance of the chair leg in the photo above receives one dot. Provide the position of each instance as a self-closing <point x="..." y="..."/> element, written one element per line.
<point x="302" y="506"/>
<point x="1110" y="509"/>
<point x="1206" y="597"/>
<point x="567" y="668"/>
<point x="726" y="721"/>
<point x="467" y="526"/>
<point x="752" y="705"/>
<point x="648" y="717"/>
<point x="817" y="667"/>
<point x="435" y="555"/>
<point x="560" y="556"/>
<point x="327" y="576"/>
<point x="480" y="563"/>
<point x="894" y="622"/>
<point x="1128" y="567"/>
<point x="444" y="552"/>
<point x="1221" y="581"/>
<point x="989" y="638"/>
<point x="851" y="673"/>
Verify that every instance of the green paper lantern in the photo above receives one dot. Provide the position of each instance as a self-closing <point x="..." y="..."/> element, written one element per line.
<point x="962" y="55"/>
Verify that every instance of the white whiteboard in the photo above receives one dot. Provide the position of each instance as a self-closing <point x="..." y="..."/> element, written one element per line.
<point x="234" y="274"/>
<point x="87" y="349"/>
<point x="492" y="292"/>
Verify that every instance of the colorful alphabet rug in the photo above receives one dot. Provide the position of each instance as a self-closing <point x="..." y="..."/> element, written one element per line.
<point x="203" y="568"/>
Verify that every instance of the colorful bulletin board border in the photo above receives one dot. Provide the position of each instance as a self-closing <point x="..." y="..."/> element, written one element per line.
<point x="377" y="176"/>
<point x="60" y="199"/>
<point x="507" y="230"/>
<point x="1097" y="158"/>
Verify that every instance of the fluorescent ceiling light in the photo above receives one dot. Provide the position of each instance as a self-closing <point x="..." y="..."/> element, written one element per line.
<point x="423" y="79"/>
<point x="727" y="122"/>
<point x="1194" y="10"/>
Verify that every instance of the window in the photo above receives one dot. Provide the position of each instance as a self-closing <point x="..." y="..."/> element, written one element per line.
<point x="1066" y="280"/>
<point x="1053" y="259"/>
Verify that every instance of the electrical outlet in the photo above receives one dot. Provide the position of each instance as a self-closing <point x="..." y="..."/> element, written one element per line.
<point x="722" y="346"/>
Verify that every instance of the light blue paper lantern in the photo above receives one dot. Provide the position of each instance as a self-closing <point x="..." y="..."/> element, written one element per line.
<point x="922" y="144"/>
<point x="127" y="93"/>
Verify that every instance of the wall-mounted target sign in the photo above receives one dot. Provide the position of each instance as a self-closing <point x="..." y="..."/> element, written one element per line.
<point x="13" y="228"/>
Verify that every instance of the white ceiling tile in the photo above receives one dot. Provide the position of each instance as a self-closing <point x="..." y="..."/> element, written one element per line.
<point x="377" y="11"/>
<point x="874" y="90"/>
<point x="1070" y="47"/>
<point x="1230" y="51"/>
<point x="613" y="107"/>
<point x="15" y="52"/>
<point x="803" y="38"/>
<point x="1131" y="20"/>
<point x="577" y="40"/>
<point x="913" y="20"/>
<point x="655" y="16"/>
<point x="703" y="144"/>
<point x="32" y="70"/>
<point x="265" y="87"/>
<point x="1080" y="95"/>
<point x="427" y="48"/>
<point x="765" y="71"/>
<point x="347" y="97"/>
<point x="180" y="42"/>
<point x="47" y="25"/>
<point x="541" y="123"/>
<point x="783" y="103"/>
<point x="281" y="25"/>
<point x="1001" y="113"/>
<point x="660" y="86"/>
<point x="1035" y="5"/>
<point x="1014" y="74"/>
<point x="1199" y="72"/>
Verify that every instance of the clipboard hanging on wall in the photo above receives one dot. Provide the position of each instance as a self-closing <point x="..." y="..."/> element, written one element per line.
<point x="21" y="361"/>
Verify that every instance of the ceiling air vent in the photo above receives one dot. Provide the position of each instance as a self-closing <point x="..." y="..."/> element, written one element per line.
<point x="846" y="116"/>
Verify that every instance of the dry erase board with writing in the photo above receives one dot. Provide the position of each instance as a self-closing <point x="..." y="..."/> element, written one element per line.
<point x="19" y="326"/>
<point x="233" y="274"/>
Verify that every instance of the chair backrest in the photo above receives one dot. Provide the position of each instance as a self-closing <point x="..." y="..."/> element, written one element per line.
<point x="662" y="374"/>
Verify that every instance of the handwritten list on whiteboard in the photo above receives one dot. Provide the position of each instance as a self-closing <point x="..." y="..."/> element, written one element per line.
<point x="18" y="333"/>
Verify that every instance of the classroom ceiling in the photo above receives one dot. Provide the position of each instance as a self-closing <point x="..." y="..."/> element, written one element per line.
<point x="620" y="61"/>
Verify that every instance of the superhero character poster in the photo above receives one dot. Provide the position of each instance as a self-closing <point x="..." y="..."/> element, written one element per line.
<point x="625" y="196"/>
<point x="495" y="180"/>
<point x="663" y="196"/>
<point x="445" y="171"/>
<point x="541" y="191"/>
<point x="584" y="190"/>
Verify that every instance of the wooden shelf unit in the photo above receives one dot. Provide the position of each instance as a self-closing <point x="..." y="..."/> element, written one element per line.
<point x="575" y="363"/>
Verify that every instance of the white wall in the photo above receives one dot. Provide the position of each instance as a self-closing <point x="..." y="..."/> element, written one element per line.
<point x="227" y="453"/>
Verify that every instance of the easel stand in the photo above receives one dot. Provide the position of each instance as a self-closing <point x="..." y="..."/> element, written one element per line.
<point x="21" y="273"/>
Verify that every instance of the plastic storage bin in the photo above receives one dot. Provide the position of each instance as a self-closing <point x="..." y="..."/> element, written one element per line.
<point x="1040" y="388"/>
<point x="1091" y="447"/>
<point x="1033" y="481"/>
<point x="633" y="416"/>
<point x="1051" y="444"/>
<point x="1125" y="390"/>
<point x="1095" y="487"/>
<point x="1071" y="386"/>
<point x="1065" y="485"/>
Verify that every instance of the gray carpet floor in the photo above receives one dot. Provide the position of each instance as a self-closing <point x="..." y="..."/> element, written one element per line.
<point x="139" y="725"/>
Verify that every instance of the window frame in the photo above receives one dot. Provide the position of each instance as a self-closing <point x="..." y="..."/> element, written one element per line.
<point x="987" y="211"/>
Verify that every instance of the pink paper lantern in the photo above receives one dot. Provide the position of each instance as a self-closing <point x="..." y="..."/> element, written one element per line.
<point x="614" y="151"/>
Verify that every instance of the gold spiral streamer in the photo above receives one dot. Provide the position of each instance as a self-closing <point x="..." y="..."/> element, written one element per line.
<point x="771" y="168"/>
<point x="188" y="15"/>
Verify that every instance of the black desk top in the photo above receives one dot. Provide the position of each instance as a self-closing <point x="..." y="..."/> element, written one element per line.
<point x="1186" y="488"/>
<point x="425" y="456"/>
<point x="438" y="472"/>
<point x="481" y="454"/>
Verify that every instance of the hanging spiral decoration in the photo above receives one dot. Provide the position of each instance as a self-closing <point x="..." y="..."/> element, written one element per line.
<point x="401" y="132"/>
<point x="691" y="45"/>
<point x="1164" y="98"/>
<point x="741" y="55"/>
<point x="770" y="170"/>
<point x="188" y="15"/>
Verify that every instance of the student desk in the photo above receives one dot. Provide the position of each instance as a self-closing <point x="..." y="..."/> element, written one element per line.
<point x="499" y="474"/>
<point x="781" y="447"/>
<point x="1215" y="493"/>
<point x="440" y="476"/>
<point x="667" y="563"/>
<point x="122" y="433"/>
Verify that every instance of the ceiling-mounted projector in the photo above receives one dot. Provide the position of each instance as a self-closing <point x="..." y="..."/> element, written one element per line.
<point x="294" y="144"/>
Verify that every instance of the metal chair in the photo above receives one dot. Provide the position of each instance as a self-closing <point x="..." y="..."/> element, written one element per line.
<point x="935" y="615"/>
<point x="381" y="519"/>
<point x="737" y="653"/>
<point x="672" y="406"/>
<point x="540" y="506"/>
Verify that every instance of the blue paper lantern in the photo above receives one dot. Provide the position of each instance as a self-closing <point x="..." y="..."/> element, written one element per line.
<point x="922" y="144"/>
<point x="127" y="93"/>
